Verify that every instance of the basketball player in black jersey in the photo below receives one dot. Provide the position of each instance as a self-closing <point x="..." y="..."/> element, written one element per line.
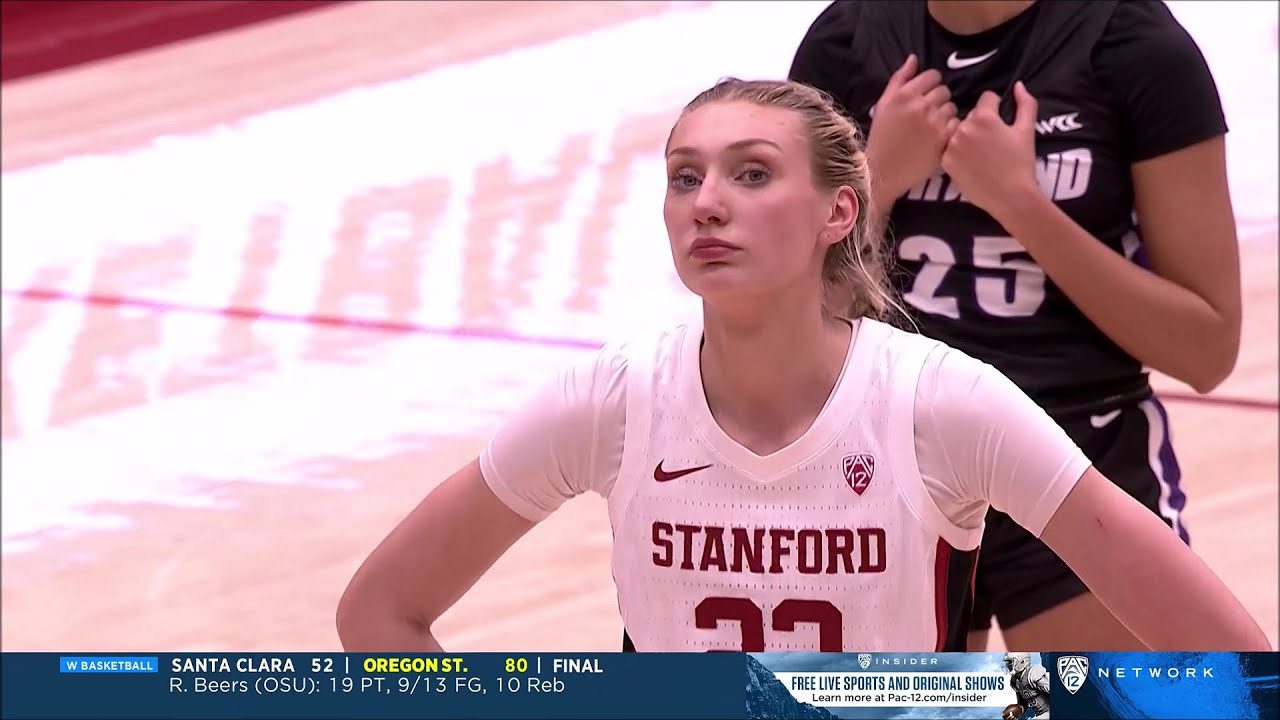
<point x="1052" y="180"/>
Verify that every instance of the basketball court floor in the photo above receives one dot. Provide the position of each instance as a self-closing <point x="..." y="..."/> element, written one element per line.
<point x="263" y="290"/>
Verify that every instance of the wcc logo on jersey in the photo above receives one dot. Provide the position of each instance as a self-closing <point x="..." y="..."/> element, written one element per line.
<point x="859" y="468"/>
<point x="1073" y="670"/>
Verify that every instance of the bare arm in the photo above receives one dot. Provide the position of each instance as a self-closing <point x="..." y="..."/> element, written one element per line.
<point x="1130" y="559"/>
<point x="1182" y="319"/>
<point x="425" y="564"/>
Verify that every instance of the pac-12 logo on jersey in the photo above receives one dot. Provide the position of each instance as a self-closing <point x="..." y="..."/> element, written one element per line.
<point x="859" y="468"/>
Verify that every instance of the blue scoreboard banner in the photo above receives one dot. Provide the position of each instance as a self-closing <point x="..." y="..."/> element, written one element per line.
<point x="1013" y="686"/>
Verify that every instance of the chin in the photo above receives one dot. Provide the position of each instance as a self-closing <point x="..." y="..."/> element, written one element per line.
<point x="725" y="287"/>
<point x="713" y="278"/>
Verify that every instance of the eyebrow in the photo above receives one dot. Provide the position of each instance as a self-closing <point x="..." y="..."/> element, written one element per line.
<point x="732" y="146"/>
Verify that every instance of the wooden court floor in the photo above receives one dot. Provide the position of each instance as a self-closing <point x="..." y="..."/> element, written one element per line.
<point x="264" y="290"/>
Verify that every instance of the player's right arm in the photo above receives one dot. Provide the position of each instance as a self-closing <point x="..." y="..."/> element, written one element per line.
<point x="426" y="564"/>
<point x="566" y="440"/>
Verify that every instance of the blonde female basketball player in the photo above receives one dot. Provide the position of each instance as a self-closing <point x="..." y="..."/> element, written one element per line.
<point x="790" y="473"/>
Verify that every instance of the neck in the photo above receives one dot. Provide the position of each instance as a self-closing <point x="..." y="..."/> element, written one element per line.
<point x="766" y="375"/>
<point x="969" y="17"/>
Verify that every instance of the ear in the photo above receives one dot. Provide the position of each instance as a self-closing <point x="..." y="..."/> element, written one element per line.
<point x="842" y="215"/>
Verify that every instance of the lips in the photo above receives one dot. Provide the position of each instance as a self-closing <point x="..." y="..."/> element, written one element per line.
<point x="709" y="248"/>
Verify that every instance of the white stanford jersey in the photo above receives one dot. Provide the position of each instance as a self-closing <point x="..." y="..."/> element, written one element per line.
<point x="861" y="535"/>
<point x="830" y="544"/>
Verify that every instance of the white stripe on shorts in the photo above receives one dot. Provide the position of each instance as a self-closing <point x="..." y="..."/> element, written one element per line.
<point x="1157" y="436"/>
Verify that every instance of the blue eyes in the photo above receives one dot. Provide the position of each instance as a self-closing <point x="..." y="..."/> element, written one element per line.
<point x="687" y="179"/>
<point x="683" y="180"/>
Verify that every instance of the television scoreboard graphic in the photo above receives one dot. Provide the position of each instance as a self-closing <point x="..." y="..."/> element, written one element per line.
<point x="216" y="685"/>
<point x="381" y="675"/>
<point x="1009" y="686"/>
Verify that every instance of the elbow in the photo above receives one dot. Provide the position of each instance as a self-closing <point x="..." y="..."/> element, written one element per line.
<point x="360" y="614"/>
<point x="347" y="617"/>
<point x="1246" y="637"/>
<point x="370" y="618"/>
<point x="1257" y="642"/>
<point x="1208" y="380"/>
<point x="1215" y="363"/>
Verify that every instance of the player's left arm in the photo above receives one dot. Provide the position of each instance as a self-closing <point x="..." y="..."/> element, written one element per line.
<point x="1130" y="560"/>
<point x="1002" y="448"/>
<point x="1181" y="316"/>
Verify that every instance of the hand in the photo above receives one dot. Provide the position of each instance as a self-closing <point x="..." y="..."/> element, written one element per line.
<point x="914" y="117"/>
<point x="992" y="163"/>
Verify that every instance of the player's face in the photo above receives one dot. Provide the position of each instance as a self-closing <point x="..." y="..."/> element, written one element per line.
<point x="742" y="213"/>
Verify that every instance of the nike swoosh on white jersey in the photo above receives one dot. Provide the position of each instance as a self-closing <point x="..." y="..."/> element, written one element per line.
<point x="1103" y="420"/>
<point x="955" y="62"/>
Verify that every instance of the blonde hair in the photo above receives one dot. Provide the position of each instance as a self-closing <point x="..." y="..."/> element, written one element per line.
<point x="854" y="273"/>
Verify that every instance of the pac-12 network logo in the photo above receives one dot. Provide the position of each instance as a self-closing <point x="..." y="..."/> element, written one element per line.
<point x="864" y="660"/>
<point x="1073" y="670"/>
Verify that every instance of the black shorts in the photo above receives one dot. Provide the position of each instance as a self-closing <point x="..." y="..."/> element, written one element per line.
<point x="1018" y="576"/>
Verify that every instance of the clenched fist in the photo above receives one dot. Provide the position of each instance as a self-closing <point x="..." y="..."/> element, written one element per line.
<point x="991" y="162"/>
<point x="913" y="120"/>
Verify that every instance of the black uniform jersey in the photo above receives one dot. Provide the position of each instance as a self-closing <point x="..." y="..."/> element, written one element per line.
<point x="1116" y="83"/>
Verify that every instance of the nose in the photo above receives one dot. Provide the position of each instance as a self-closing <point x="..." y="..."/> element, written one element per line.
<point x="709" y="207"/>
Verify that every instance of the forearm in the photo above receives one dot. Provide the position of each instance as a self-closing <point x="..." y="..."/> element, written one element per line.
<point x="365" y="627"/>
<point x="389" y="636"/>
<point x="1162" y="324"/>
<point x="426" y="564"/>
<point x="1161" y="590"/>
<point x="886" y="188"/>
<point x="881" y="206"/>
<point x="1217" y="619"/>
